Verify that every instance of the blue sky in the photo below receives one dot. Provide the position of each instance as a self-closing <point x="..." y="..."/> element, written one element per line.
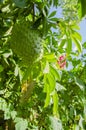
<point x="83" y="30"/>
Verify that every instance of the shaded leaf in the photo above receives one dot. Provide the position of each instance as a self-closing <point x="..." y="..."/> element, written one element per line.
<point x="53" y="19"/>
<point x="1" y="68"/>
<point x="52" y="14"/>
<point x="83" y="7"/>
<point x="20" y="3"/>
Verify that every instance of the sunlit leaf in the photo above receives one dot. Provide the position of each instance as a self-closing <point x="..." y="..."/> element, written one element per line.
<point x="76" y="27"/>
<point x="7" y="114"/>
<point x="50" y="57"/>
<point x="21" y="124"/>
<point x="13" y="114"/>
<point x="81" y="122"/>
<point x="46" y="84"/>
<point x="55" y="73"/>
<point x="77" y="35"/>
<point x="78" y="44"/>
<point x="60" y="87"/>
<point x="55" y="123"/>
<point x="51" y="81"/>
<point x="62" y="43"/>
<point x="16" y="70"/>
<point x="79" y="83"/>
<point x="69" y="45"/>
<point x="79" y="10"/>
<point x="55" y="103"/>
<point x="47" y="90"/>
<point x="47" y="100"/>
<point x="46" y="69"/>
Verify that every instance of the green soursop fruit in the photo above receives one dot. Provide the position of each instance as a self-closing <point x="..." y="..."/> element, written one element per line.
<point x="26" y="42"/>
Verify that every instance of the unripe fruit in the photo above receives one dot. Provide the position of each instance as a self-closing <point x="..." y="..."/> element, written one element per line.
<point x="26" y="42"/>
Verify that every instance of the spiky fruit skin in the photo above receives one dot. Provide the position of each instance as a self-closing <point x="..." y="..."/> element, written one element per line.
<point x="26" y="42"/>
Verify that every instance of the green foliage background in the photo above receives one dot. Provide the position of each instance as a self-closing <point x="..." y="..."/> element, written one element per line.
<point x="39" y="95"/>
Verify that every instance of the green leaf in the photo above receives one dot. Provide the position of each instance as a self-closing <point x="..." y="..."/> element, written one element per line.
<point x="13" y="114"/>
<point x="50" y="57"/>
<point x="69" y="45"/>
<point x="45" y="86"/>
<point x="47" y="100"/>
<point x="55" y="73"/>
<point x="20" y="3"/>
<point x="78" y="44"/>
<point x="55" y="123"/>
<point x="79" y="10"/>
<point x="77" y="35"/>
<point x="62" y="43"/>
<point x="47" y="68"/>
<point x="55" y="104"/>
<point x="55" y="3"/>
<point x="21" y="124"/>
<point x="7" y="114"/>
<point x="77" y="27"/>
<point x="51" y="82"/>
<point x="16" y="71"/>
<point x="45" y="26"/>
<point x="60" y="87"/>
<point x="38" y="0"/>
<point x="83" y="7"/>
<point x="7" y="54"/>
<point x="27" y="74"/>
<point x="53" y="19"/>
<point x="1" y="68"/>
<point x="84" y="45"/>
<point x="47" y="90"/>
<point x="1" y="1"/>
<point x="79" y="83"/>
<point x="52" y="14"/>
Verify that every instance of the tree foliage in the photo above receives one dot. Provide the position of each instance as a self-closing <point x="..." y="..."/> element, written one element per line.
<point x="42" y="65"/>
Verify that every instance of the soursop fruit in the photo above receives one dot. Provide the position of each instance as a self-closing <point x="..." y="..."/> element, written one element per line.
<point x="26" y="42"/>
